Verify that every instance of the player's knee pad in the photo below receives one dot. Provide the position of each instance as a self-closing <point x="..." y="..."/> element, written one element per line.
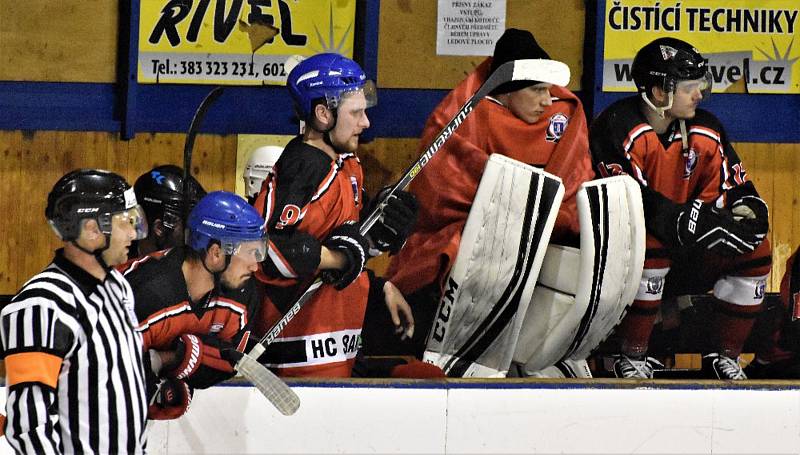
<point x="492" y="279"/>
<point x="741" y="290"/>
<point x="582" y="294"/>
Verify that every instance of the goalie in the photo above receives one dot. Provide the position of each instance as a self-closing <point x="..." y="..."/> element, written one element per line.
<point x="536" y="123"/>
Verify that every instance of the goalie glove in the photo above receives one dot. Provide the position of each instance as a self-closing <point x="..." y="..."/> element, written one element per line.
<point x="347" y="240"/>
<point x="397" y="220"/>
<point x="705" y="226"/>
<point x="171" y="400"/>
<point x="205" y="360"/>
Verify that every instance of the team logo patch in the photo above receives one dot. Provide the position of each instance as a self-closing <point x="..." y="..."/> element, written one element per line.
<point x="760" y="286"/>
<point x="354" y="185"/>
<point x="690" y="163"/>
<point x="556" y="128"/>
<point x="668" y="52"/>
<point x="655" y="285"/>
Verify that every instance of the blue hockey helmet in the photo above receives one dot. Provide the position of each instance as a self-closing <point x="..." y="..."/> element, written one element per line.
<point x="330" y="77"/>
<point x="227" y="218"/>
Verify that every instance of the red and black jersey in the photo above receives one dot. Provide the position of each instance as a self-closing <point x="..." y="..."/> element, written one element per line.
<point x="622" y="141"/>
<point x="309" y="193"/>
<point x="165" y="311"/>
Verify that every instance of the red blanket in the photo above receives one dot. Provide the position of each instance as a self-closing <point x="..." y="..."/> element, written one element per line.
<point x="447" y="185"/>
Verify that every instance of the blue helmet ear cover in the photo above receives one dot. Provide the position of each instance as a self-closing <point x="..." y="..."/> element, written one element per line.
<point x="226" y="218"/>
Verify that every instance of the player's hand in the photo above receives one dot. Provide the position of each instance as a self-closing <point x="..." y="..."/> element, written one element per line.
<point x="399" y="215"/>
<point x="347" y="240"/>
<point x="171" y="401"/>
<point x="704" y="225"/>
<point x="205" y="360"/>
<point x="399" y="311"/>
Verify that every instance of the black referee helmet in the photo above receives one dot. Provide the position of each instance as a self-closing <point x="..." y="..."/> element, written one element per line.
<point x="87" y="194"/>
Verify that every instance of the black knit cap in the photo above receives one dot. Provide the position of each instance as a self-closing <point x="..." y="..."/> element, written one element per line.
<point x="515" y="44"/>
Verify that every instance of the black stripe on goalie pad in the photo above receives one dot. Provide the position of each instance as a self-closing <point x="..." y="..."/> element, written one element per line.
<point x="483" y="337"/>
<point x="612" y="223"/>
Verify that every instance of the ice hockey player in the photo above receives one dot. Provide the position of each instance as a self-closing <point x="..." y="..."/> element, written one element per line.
<point x="161" y="194"/>
<point x="706" y="223"/>
<point x="778" y="353"/>
<point x="196" y="303"/>
<point x="316" y="190"/>
<point x="534" y="122"/>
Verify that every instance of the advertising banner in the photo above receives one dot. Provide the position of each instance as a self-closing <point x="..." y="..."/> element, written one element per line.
<point x="751" y="46"/>
<point x="237" y="42"/>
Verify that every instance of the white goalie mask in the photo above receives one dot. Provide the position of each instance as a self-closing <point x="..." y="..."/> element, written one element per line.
<point x="258" y="166"/>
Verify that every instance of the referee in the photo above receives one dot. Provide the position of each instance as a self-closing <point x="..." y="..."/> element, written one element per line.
<point x="73" y="358"/>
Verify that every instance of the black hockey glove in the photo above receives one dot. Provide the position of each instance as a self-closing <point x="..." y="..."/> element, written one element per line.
<point x="347" y="240"/>
<point x="752" y="211"/>
<point x="703" y="225"/>
<point x="397" y="220"/>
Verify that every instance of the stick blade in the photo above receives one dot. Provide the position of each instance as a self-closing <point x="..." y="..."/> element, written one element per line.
<point x="272" y="387"/>
<point x="542" y="70"/>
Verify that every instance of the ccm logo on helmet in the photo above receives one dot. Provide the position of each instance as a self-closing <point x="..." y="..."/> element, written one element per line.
<point x="213" y="224"/>
<point x="89" y="210"/>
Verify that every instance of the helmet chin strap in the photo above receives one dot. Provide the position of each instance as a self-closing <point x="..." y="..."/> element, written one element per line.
<point x="661" y="111"/>
<point x="217" y="275"/>
<point x="98" y="253"/>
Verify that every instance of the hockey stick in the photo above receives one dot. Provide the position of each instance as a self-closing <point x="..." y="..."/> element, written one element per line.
<point x="188" y="146"/>
<point x="549" y="71"/>
<point x="272" y="387"/>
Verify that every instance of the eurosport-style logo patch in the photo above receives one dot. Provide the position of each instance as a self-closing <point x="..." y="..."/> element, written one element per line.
<point x="556" y="128"/>
<point x="690" y="163"/>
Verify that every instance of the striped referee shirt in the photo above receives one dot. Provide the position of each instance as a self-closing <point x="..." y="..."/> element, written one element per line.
<point x="74" y="374"/>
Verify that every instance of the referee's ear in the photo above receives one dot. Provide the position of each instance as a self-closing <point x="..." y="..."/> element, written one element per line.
<point x="90" y="230"/>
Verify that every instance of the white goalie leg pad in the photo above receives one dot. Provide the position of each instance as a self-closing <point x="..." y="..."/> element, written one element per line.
<point x="565" y="369"/>
<point x="606" y="279"/>
<point x="492" y="279"/>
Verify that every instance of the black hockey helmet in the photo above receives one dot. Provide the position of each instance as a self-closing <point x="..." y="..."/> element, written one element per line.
<point x="666" y="61"/>
<point x="89" y="194"/>
<point x="160" y="192"/>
